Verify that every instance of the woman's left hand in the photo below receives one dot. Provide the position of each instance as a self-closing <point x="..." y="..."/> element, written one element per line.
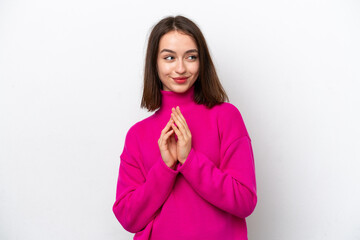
<point x="183" y="134"/>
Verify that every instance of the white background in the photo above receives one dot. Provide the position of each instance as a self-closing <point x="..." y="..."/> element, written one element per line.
<point x="71" y="83"/>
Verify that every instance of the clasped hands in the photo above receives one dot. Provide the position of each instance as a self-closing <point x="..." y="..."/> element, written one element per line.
<point x="170" y="149"/>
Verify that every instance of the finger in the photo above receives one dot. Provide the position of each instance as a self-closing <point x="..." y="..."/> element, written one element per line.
<point x="181" y="116"/>
<point x="182" y="131"/>
<point x="177" y="131"/>
<point x="177" y="115"/>
<point x="167" y="127"/>
<point x="180" y="135"/>
<point x="165" y="137"/>
<point x="178" y="122"/>
<point x="165" y="130"/>
<point x="183" y="127"/>
<point x="168" y="134"/>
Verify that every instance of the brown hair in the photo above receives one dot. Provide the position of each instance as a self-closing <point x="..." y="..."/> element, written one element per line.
<point x="208" y="89"/>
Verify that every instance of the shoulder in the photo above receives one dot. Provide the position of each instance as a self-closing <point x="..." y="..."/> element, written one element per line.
<point x="227" y="112"/>
<point x="131" y="136"/>
<point x="230" y="120"/>
<point x="138" y="128"/>
<point x="228" y="109"/>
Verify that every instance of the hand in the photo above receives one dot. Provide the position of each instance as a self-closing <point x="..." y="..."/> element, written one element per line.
<point x="167" y="146"/>
<point x="182" y="131"/>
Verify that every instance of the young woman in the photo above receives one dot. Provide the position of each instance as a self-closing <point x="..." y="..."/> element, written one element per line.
<point x="187" y="171"/>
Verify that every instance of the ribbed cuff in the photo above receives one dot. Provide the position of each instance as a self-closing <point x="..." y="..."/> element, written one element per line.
<point x="183" y="167"/>
<point x="167" y="169"/>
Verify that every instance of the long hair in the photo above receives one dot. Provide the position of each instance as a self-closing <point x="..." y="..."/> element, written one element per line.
<point x="207" y="90"/>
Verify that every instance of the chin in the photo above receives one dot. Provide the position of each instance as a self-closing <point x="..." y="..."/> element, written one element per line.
<point x="180" y="89"/>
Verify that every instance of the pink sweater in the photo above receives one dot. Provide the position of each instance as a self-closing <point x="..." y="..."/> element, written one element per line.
<point x="208" y="197"/>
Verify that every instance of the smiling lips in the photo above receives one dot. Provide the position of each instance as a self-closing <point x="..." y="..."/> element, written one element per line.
<point x="180" y="79"/>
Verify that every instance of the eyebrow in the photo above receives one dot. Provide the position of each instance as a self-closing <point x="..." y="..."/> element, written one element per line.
<point x="171" y="51"/>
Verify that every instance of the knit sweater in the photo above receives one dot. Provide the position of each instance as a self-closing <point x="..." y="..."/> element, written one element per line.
<point x="207" y="197"/>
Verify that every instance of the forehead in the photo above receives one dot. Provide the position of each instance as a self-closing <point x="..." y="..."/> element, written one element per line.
<point x="177" y="41"/>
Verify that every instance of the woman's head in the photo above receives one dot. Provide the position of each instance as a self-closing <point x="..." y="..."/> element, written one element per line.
<point x="177" y="61"/>
<point x="177" y="49"/>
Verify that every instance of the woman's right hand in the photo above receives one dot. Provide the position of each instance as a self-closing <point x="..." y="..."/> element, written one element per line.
<point x="167" y="145"/>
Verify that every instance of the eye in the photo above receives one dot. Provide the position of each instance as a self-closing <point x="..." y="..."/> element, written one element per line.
<point x="169" y="58"/>
<point x="192" y="57"/>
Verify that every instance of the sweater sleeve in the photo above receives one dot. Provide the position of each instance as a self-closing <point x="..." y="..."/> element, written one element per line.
<point x="139" y="195"/>
<point x="231" y="186"/>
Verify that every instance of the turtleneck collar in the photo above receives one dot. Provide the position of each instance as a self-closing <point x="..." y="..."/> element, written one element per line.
<point x="172" y="99"/>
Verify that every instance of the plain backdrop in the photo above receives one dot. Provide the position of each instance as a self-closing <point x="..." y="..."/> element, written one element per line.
<point x="70" y="88"/>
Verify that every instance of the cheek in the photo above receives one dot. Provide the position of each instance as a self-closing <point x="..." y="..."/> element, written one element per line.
<point x="194" y="68"/>
<point x="164" y="69"/>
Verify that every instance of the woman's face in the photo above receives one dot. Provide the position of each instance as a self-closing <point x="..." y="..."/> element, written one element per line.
<point x="177" y="61"/>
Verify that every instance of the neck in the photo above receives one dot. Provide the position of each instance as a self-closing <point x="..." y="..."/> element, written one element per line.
<point x="172" y="99"/>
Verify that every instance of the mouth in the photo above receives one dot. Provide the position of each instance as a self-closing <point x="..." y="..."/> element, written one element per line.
<point x="180" y="79"/>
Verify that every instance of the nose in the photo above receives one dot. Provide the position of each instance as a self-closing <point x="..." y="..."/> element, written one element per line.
<point x="180" y="67"/>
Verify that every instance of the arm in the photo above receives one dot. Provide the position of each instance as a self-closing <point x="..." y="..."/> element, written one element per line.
<point x="232" y="186"/>
<point x="139" y="197"/>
